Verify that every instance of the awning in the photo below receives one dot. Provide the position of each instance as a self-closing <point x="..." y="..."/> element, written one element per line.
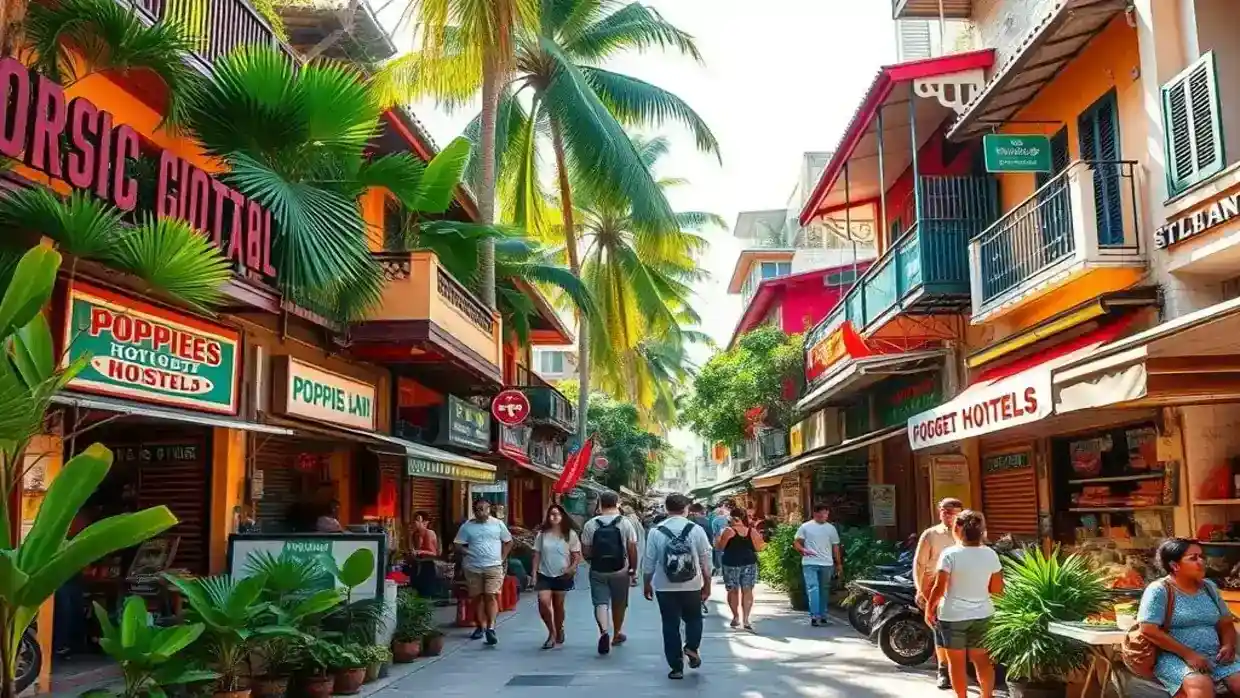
<point x="773" y="477"/>
<point x="1064" y="30"/>
<point x="1007" y="396"/>
<point x="1191" y="359"/>
<point x="733" y="485"/>
<point x="700" y="492"/>
<point x="547" y="472"/>
<point x="426" y="461"/>
<point x="849" y="377"/>
<point x="594" y="486"/>
<point x="126" y="407"/>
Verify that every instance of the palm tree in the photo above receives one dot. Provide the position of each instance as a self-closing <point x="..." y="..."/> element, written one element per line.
<point x="641" y="284"/>
<point x="296" y="140"/>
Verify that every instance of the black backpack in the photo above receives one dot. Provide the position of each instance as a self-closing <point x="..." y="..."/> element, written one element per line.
<point x="607" y="552"/>
<point x="679" y="562"/>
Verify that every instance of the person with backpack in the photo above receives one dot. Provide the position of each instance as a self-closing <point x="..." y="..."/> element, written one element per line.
<point x="609" y="544"/>
<point x="676" y="567"/>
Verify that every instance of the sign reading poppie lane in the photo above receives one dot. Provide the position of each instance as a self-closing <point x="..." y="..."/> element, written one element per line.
<point x="146" y="353"/>
<point x="1011" y="153"/>
<point x="309" y="392"/>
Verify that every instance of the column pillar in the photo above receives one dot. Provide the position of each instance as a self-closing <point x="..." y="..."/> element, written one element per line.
<point x="228" y="474"/>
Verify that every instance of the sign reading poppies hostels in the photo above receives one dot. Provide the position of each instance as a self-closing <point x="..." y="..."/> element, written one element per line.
<point x="309" y="392"/>
<point x="510" y="407"/>
<point x="1005" y="403"/>
<point x="465" y="426"/>
<point x="76" y="142"/>
<point x="146" y="353"/>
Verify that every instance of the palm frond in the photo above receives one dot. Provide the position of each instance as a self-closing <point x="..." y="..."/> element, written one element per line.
<point x="633" y="27"/>
<point x="639" y="103"/>
<point x="80" y="224"/>
<point x="174" y="258"/>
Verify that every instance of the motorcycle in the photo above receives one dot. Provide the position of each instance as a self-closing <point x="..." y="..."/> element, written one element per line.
<point x="861" y="603"/>
<point x="897" y="623"/>
<point x="29" y="660"/>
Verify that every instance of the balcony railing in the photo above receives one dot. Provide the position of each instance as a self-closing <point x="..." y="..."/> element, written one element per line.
<point x="547" y="405"/>
<point x="1084" y="217"/>
<point x="418" y="288"/>
<point x="927" y="263"/>
<point x="773" y="444"/>
<point x="218" y="25"/>
<point x="930" y="9"/>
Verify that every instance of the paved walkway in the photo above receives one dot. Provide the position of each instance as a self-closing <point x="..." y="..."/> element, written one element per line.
<point x="785" y="659"/>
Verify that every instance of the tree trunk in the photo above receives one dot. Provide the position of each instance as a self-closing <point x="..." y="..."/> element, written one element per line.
<point x="574" y="265"/>
<point x="492" y="81"/>
<point x="12" y="14"/>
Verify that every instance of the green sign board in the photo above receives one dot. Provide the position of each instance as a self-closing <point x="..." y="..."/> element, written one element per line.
<point x="465" y="426"/>
<point x="1007" y="461"/>
<point x="143" y="352"/>
<point x="902" y="398"/>
<point x="1013" y="153"/>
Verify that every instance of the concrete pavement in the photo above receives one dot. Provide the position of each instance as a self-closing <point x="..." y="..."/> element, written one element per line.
<point x="786" y="658"/>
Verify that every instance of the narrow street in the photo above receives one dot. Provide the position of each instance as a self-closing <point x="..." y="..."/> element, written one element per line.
<point x="786" y="658"/>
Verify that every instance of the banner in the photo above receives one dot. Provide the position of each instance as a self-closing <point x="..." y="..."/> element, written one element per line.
<point x="575" y="468"/>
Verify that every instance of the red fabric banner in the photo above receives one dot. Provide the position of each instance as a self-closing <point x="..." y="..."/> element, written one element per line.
<point x="574" y="468"/>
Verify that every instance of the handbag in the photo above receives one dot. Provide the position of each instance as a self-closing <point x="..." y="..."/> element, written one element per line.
<point x="1138" y="653"/>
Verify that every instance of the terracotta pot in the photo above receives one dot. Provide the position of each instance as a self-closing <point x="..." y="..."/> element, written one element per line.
<point x="232" y="694"/>
<point x="1036" y="689"/>
<point x="316" y="686"/>
<point x="372" y="671"/>
<point x="270" y="687"/>
<point x="349" y="681"/>
<point x="432" y="645"/>
<point x="405" y="652"/>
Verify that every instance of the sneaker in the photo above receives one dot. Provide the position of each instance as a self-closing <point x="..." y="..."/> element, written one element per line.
<point x="477" y="634"/>
<point x="705" y="610"/>
<point x="695" y="658"/>
<point x="491" y="638"/>
<point x="945" y="680"/>
<point x="813" y="622"/>
<point x="676" y="674"/>
<point x="604" y="643"/>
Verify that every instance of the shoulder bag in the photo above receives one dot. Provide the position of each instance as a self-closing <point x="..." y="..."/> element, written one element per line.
<point x="1138" y="652"/>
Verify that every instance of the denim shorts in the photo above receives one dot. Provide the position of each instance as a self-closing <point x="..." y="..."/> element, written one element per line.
<point x="742" y="577"/>
<point x="961" y="634"/>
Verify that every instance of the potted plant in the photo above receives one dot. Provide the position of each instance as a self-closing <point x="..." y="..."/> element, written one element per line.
<point x="348" y="669"/>
<point x="148" y="656"/>
<point x="1038" y="589"/>
<point x="315" y="678"/>
<point x="432" y="642"/>
<point x="412" y="623"/>
<point x="374" y="656"/>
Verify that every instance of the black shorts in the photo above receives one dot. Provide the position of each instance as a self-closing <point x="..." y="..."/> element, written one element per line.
<point x="961" y="634"/>
<point x="561" y="583"/>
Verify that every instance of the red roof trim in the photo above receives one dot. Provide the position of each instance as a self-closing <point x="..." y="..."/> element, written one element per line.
<point x="887" y="78"/>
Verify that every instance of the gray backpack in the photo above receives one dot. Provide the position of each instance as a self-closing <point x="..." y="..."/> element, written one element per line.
<point x="679" y="562"/>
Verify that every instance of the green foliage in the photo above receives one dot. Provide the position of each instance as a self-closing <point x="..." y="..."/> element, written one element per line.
<point x="414" y="617"/>
<point x="148" y="656"/>
<point x="356" y="621"/>
<point x="287" y="591"/>
<point x="621" y="437"/>
<point x="373" y="654"/>
<point x="324" y="656"/>
<point x="779" y="563"/>
<point x="752" y="374"/>
<point x="1040" y="588"/>
<point x="863" y="551"/>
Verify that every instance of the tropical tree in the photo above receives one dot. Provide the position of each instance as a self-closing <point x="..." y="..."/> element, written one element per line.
<point x="296" y="140"/>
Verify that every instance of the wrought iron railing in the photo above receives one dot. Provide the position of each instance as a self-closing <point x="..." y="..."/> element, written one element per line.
<point x="219" y="25"/>
<point x="1091" y="204"/>
<point x="459" y="297"/>
<point x="546" y="402"/>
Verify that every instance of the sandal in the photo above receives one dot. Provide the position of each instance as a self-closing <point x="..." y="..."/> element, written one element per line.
<point x="549" y="644"/>
<point x="734" y="624"/>
<point x="748" y="627"/>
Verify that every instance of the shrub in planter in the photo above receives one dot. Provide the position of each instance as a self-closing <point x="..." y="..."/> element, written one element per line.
<point x="432" y="643"/>
<point x="863" y="551"/>
<point x="314" y="677"/>
<point x="779" y="564"/>
<point x="413" y="621"/>
<point x="349" y="668"/>
<point x="374" y="657"/>
<point x="1040" y="588"/>
<point x="148" y="656"/>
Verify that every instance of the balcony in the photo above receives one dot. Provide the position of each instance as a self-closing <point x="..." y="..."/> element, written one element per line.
<point x="547" y="405"/>
<point x="1082" y="222"/>
<point x="773" y="443"/>
<point x="926" y="268"/>
<point x="310" y="22"/>
<point x="930" y="9"/>
<point x="221" y="26"/>
<point x="427" y="316"/>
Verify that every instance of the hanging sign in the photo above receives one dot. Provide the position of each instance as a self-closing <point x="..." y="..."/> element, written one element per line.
<point x="1017" y="153"/>
<point x="843" y="343"/>
<point x="465" y="426"/>
<point x="1008" y="402"/>
<point x="514" y="442"/>
<point x="901" y="398"/>
<point x="510" y="407"/>
<point x="601" y="463"/>
<point x="306" y="391"/>
<point x="76" y="142"/>
<point x="143" y="352"/>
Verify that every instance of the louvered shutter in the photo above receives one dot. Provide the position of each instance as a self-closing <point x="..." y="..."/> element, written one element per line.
<point x="1193" y="124"/>
<point x="1009" y="495"/>
<point x="1099" y="135"/>
<point x="914" y="39"/>
<point x="176" y="476"/>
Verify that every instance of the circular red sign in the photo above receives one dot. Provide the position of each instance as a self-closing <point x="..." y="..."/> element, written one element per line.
<point x="510" y="407"/>
<point x="601" y="463"/>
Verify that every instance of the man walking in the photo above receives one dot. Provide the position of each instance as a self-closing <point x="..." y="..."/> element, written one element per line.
<point x="483" y="544"/>
<point x="676" y="570"/>
<point x="609" y="544"/>
<point x="819" y="545"/>
<point x="930" y="545"/>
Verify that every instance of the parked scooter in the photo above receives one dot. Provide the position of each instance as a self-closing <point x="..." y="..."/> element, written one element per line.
<point x="861" y="603"/>
<point x="897" y="623"/>
<point x="29" y="660"/>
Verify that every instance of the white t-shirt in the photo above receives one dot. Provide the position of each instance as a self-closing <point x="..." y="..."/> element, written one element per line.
<point x="968" y="586"/>
<point x="819" y="539"/>
<point x="628" y="533"/>
<point x="554" y="553"/>
<point x="484" y="543"/>
<point x="654" y="558"/>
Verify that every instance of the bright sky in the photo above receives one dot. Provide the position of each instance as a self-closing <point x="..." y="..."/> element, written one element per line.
<point x="780" y="77"/>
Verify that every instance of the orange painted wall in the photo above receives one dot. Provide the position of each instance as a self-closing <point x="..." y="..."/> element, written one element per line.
<point x="1109" y="62"/>
<point x="374" y="208"/>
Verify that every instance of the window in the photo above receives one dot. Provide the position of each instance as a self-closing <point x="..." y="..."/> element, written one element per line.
<point x="1192" y="122"/>
<point x="551" y="362"/>
<point x="771" y="270"/>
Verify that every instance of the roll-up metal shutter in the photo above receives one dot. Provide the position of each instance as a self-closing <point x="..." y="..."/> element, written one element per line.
<point x="175" y="474"/>
<point x="1010" y="495"/>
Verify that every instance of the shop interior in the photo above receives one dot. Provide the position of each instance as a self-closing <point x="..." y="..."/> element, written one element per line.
<point x="843" y="483"/>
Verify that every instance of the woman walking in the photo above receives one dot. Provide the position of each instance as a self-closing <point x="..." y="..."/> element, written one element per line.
<point x="1197" y="638"/>
<point x="740" y="544"/>
<point x="557" y="552"/>
<point x="959" y="605"/>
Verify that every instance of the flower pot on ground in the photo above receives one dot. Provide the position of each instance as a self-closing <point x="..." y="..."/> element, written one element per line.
<point x="1039" y="589"/>
<point x="243" y="693"/>
<point x="432" y="643"/>
<point x="374" y="657"/>
<point x="372" y="672"/>
<point x="349" y="668"/>
<point x="413" y="622"/>
<point x="269" y="687"/>
<point x="405" y="652"/>
<point x="316" y="686"/>
<point x="349" y="681"/>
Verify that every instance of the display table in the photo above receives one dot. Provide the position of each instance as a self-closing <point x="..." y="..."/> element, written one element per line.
<point x="1106" y="668"/>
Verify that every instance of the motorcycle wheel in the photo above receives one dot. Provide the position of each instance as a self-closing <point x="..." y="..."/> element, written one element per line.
<point x="29" y="661"/>
<point x="907" y="641"/>
<point x="859" y="615"/>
